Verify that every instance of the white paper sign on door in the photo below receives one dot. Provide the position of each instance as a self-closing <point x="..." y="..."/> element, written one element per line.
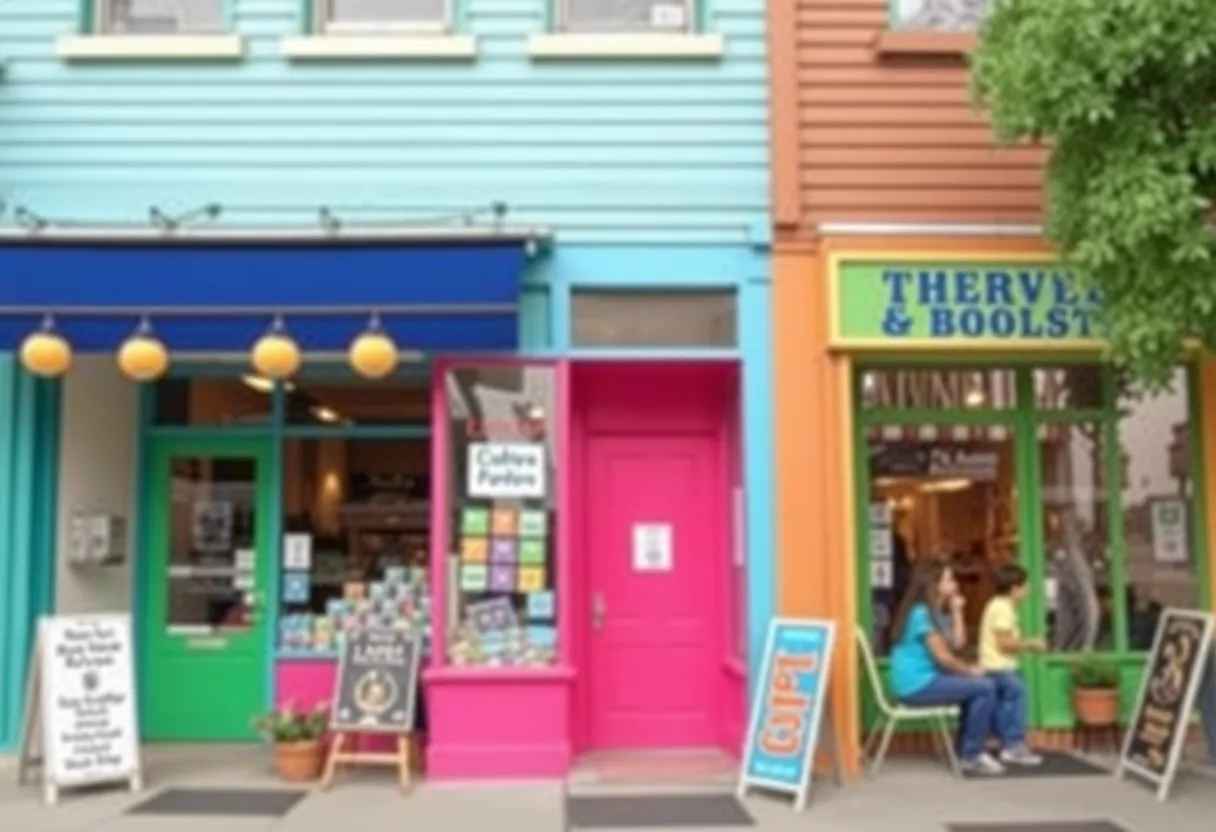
<point x="652" y="547"/>
<point x="297" y="552"/>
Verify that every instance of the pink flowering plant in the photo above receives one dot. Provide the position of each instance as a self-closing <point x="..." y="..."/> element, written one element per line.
<point x="292" y="724"/>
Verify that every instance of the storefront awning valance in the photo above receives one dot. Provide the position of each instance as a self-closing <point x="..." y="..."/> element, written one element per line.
<point x="220" y="293"/>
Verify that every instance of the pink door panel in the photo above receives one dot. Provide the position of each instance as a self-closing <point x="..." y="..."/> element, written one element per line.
<point x="654" y="631"/>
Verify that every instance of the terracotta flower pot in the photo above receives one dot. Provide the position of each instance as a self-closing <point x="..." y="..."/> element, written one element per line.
<point x="298" y="762"/>
<point x="1096" y="707"/>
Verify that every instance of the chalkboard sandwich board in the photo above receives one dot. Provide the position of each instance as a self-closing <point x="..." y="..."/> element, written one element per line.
<point x="1172" y="674"/>
<point x="375" y="693"/>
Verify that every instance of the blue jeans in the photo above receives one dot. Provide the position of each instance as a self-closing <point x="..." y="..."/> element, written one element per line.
<point x="974" y="695"/>
<point x="1009" y="718"/>
<point x="1207" y="704"/>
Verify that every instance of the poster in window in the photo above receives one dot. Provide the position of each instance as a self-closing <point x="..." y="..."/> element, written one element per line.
<point x="211" y="527"/>
<point x="1169" y="530"/>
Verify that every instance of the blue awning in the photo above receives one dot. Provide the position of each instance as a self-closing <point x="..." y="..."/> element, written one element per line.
<point x="221" y="294"/>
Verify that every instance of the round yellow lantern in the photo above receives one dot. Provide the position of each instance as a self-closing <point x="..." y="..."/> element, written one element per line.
<point x="46" y="353"/>
<point x="142" y="357"/>
<point x="276" y="354"/>
<point x="373" y="355"/>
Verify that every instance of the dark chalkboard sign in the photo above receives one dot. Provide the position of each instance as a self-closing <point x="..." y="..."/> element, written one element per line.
<point x="377" y="682"/>
<point x="1172" y="674"/>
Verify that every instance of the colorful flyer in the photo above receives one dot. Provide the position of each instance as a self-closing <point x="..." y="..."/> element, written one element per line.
<point x="473" y="550"/>
<point x="473" y="577"/>
<point x="296" y="587"/>
<point x="475" y="521"/>
<point x="532" y="524"/>
<point x="532" y="552"/>
<point x="541" y="606"/>
<point x="531" y="578"/>
<point x="504" y="524"/>
<point x="545" y="637"/>
<point x="502" y="550"/>
<point x="502" y="577"/>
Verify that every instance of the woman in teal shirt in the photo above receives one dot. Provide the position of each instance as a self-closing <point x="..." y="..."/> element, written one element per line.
<point x="926" y="673"/>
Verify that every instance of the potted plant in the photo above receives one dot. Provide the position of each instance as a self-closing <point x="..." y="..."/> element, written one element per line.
<point x="1095" y="691"/>
<point x="296" y="736"/>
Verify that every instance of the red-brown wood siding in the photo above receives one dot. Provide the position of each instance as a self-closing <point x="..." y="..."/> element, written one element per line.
<point x="891" y="139"/>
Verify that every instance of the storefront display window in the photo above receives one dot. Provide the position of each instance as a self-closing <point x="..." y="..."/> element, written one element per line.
<point x="502" y="495"/>
<point x="942" y="492"/>
<point x="356" y="403"/>
<point x="1158" y="502"/>
<point x="502" y="490"/>
<point x="356" y="539"/>
<point x="1090" y="485"/>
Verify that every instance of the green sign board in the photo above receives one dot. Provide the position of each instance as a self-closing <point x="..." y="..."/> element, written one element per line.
<point x="944" y="303"/>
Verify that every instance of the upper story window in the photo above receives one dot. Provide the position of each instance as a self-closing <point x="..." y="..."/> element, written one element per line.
<point x="627" y="16"/>
<point x="942" y="15"/>
<point x="160" y="17"/>
<point x="354" y="17"/>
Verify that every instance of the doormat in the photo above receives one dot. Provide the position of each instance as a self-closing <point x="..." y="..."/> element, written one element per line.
<point x="1040" y="826"/>
<point x="662" y="811"/>
<point x="271" y="803"/>
<point x="1055" y="764"/>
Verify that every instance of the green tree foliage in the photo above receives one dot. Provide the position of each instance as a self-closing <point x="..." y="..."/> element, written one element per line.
<point x="1124" y="94"/>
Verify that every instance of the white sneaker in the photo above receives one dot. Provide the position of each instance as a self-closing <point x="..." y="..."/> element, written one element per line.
<point x="984" y="764"/>
<point x="1021" y="756"/>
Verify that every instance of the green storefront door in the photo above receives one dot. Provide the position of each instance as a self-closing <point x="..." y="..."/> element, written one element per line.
<point x="208" y="550"/>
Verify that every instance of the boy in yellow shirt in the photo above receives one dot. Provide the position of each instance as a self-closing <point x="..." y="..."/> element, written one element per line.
<point x="1000" y="644"/>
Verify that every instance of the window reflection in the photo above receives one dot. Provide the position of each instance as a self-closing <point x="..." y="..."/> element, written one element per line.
<point x="1075" y="545"/>
<point x="212" y="543"/>
<point x="212" y="401"/>
<point x="1157" y="500"/>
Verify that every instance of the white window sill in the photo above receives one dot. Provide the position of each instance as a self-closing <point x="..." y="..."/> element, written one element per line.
<point x="379" y="47"/>
<point x="598" y="46"/>
<point x="150" y="47"/>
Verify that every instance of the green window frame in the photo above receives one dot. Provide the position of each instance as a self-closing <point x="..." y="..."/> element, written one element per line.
<point x="1048" y="677"/>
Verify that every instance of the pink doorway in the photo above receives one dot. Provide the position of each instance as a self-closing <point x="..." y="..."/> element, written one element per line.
<point x="655" y="444"/>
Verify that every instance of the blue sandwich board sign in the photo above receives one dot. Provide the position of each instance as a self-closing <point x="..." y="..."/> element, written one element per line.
<point x="787" y="712"/>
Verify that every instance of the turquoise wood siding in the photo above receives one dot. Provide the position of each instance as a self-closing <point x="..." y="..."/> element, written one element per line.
<point x="29" y="462"/>
<point x="659" y="151"/>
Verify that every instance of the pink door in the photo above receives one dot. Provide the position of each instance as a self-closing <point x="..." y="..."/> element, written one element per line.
<point x="655" y="560"/>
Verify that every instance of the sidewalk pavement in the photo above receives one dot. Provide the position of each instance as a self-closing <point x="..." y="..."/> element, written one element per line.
<point x="911" y="795"/>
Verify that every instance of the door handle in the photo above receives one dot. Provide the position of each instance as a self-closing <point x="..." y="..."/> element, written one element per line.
<point x="599" y="610"/>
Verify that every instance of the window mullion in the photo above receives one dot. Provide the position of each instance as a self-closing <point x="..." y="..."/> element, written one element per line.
<point x="1112" y="459"/>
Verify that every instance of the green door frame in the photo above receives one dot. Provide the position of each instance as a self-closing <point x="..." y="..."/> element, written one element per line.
<point x="1047" y="676"/>
<point x="155" y="642"/>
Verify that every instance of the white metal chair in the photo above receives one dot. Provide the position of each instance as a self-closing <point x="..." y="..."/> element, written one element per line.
<point x="891" y="716"/>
